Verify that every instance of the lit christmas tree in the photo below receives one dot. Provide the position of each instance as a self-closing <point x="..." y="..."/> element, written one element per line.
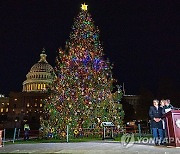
<point x="81" y="95"/>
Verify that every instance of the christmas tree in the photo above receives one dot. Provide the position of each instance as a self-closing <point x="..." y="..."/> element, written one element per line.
<point x="81" y="94"/>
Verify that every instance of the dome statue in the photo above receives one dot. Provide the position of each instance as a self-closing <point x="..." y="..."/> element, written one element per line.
<point x="39" y="76"/>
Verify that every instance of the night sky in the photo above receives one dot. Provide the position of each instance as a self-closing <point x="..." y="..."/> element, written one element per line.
<point x="141" y="38"/>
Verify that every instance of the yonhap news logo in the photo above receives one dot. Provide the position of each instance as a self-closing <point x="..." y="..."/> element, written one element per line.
<point x="128" y="140"/>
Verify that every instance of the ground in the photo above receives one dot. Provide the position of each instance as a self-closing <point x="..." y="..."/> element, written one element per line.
<point x="100" y="147"/>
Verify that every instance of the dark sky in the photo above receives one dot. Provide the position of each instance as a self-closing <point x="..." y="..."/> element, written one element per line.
<point x="140" y="37"/>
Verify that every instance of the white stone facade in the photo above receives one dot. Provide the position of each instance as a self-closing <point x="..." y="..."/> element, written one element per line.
<point x="39" y="76"/>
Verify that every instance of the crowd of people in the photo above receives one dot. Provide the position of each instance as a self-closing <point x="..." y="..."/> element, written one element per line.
<point x="158" y="124"/>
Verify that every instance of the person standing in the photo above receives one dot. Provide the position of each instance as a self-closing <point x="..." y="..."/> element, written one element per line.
<point x="162" y="104"/>
<point x="26" y="132"/>
<point x="167" y="106"/>
<point x="155" y="113"/>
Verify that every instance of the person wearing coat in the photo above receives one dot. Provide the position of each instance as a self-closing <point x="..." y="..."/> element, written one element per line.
<point x="26" y="132"/>
<point x="155" y="113"/>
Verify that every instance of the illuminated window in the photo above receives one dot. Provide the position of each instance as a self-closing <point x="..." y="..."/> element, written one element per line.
<point x="35" y="104"/>
<point x="13" y="110"/>
<point x="2" y="103"/>
<point x="39" y="86"/>
<point x="1" y="95"/>
<point x="27" y="104"/>
<point x="1" y="109"/>
<point x="6" y="109"/>
<point x="7" y="103"/>
<point x="15" y="99"/>
<point x="40" y="105"/>
<point x="27" y="111"/>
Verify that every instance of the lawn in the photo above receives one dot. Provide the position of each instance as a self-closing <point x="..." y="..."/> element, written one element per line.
<point x="31" y="141"/>
<point x="79" y="139"/>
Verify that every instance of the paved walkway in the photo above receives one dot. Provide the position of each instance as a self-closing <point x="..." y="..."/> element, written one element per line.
<point x="87" y="148"/>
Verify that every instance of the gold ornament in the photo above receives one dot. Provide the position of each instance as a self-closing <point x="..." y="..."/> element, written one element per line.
<point x="63" y="134"/>
<point x="76" y="131"/>
<point x="52" y="130"/>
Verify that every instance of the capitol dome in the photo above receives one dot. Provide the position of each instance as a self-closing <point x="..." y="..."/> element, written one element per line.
<point x="39" y="76"/>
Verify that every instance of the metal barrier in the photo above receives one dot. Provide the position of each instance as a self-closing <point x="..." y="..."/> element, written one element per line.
<point x="1" y="135"/>
<point x="17" y="134"/>
<point x="137" y="130"/>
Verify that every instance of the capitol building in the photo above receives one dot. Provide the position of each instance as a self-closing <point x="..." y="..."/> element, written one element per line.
<point x="40" y="75"/>
<point x="27" y="106"/>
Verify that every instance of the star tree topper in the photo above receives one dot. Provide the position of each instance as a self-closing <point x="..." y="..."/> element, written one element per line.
<point x="84" y="7"/>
